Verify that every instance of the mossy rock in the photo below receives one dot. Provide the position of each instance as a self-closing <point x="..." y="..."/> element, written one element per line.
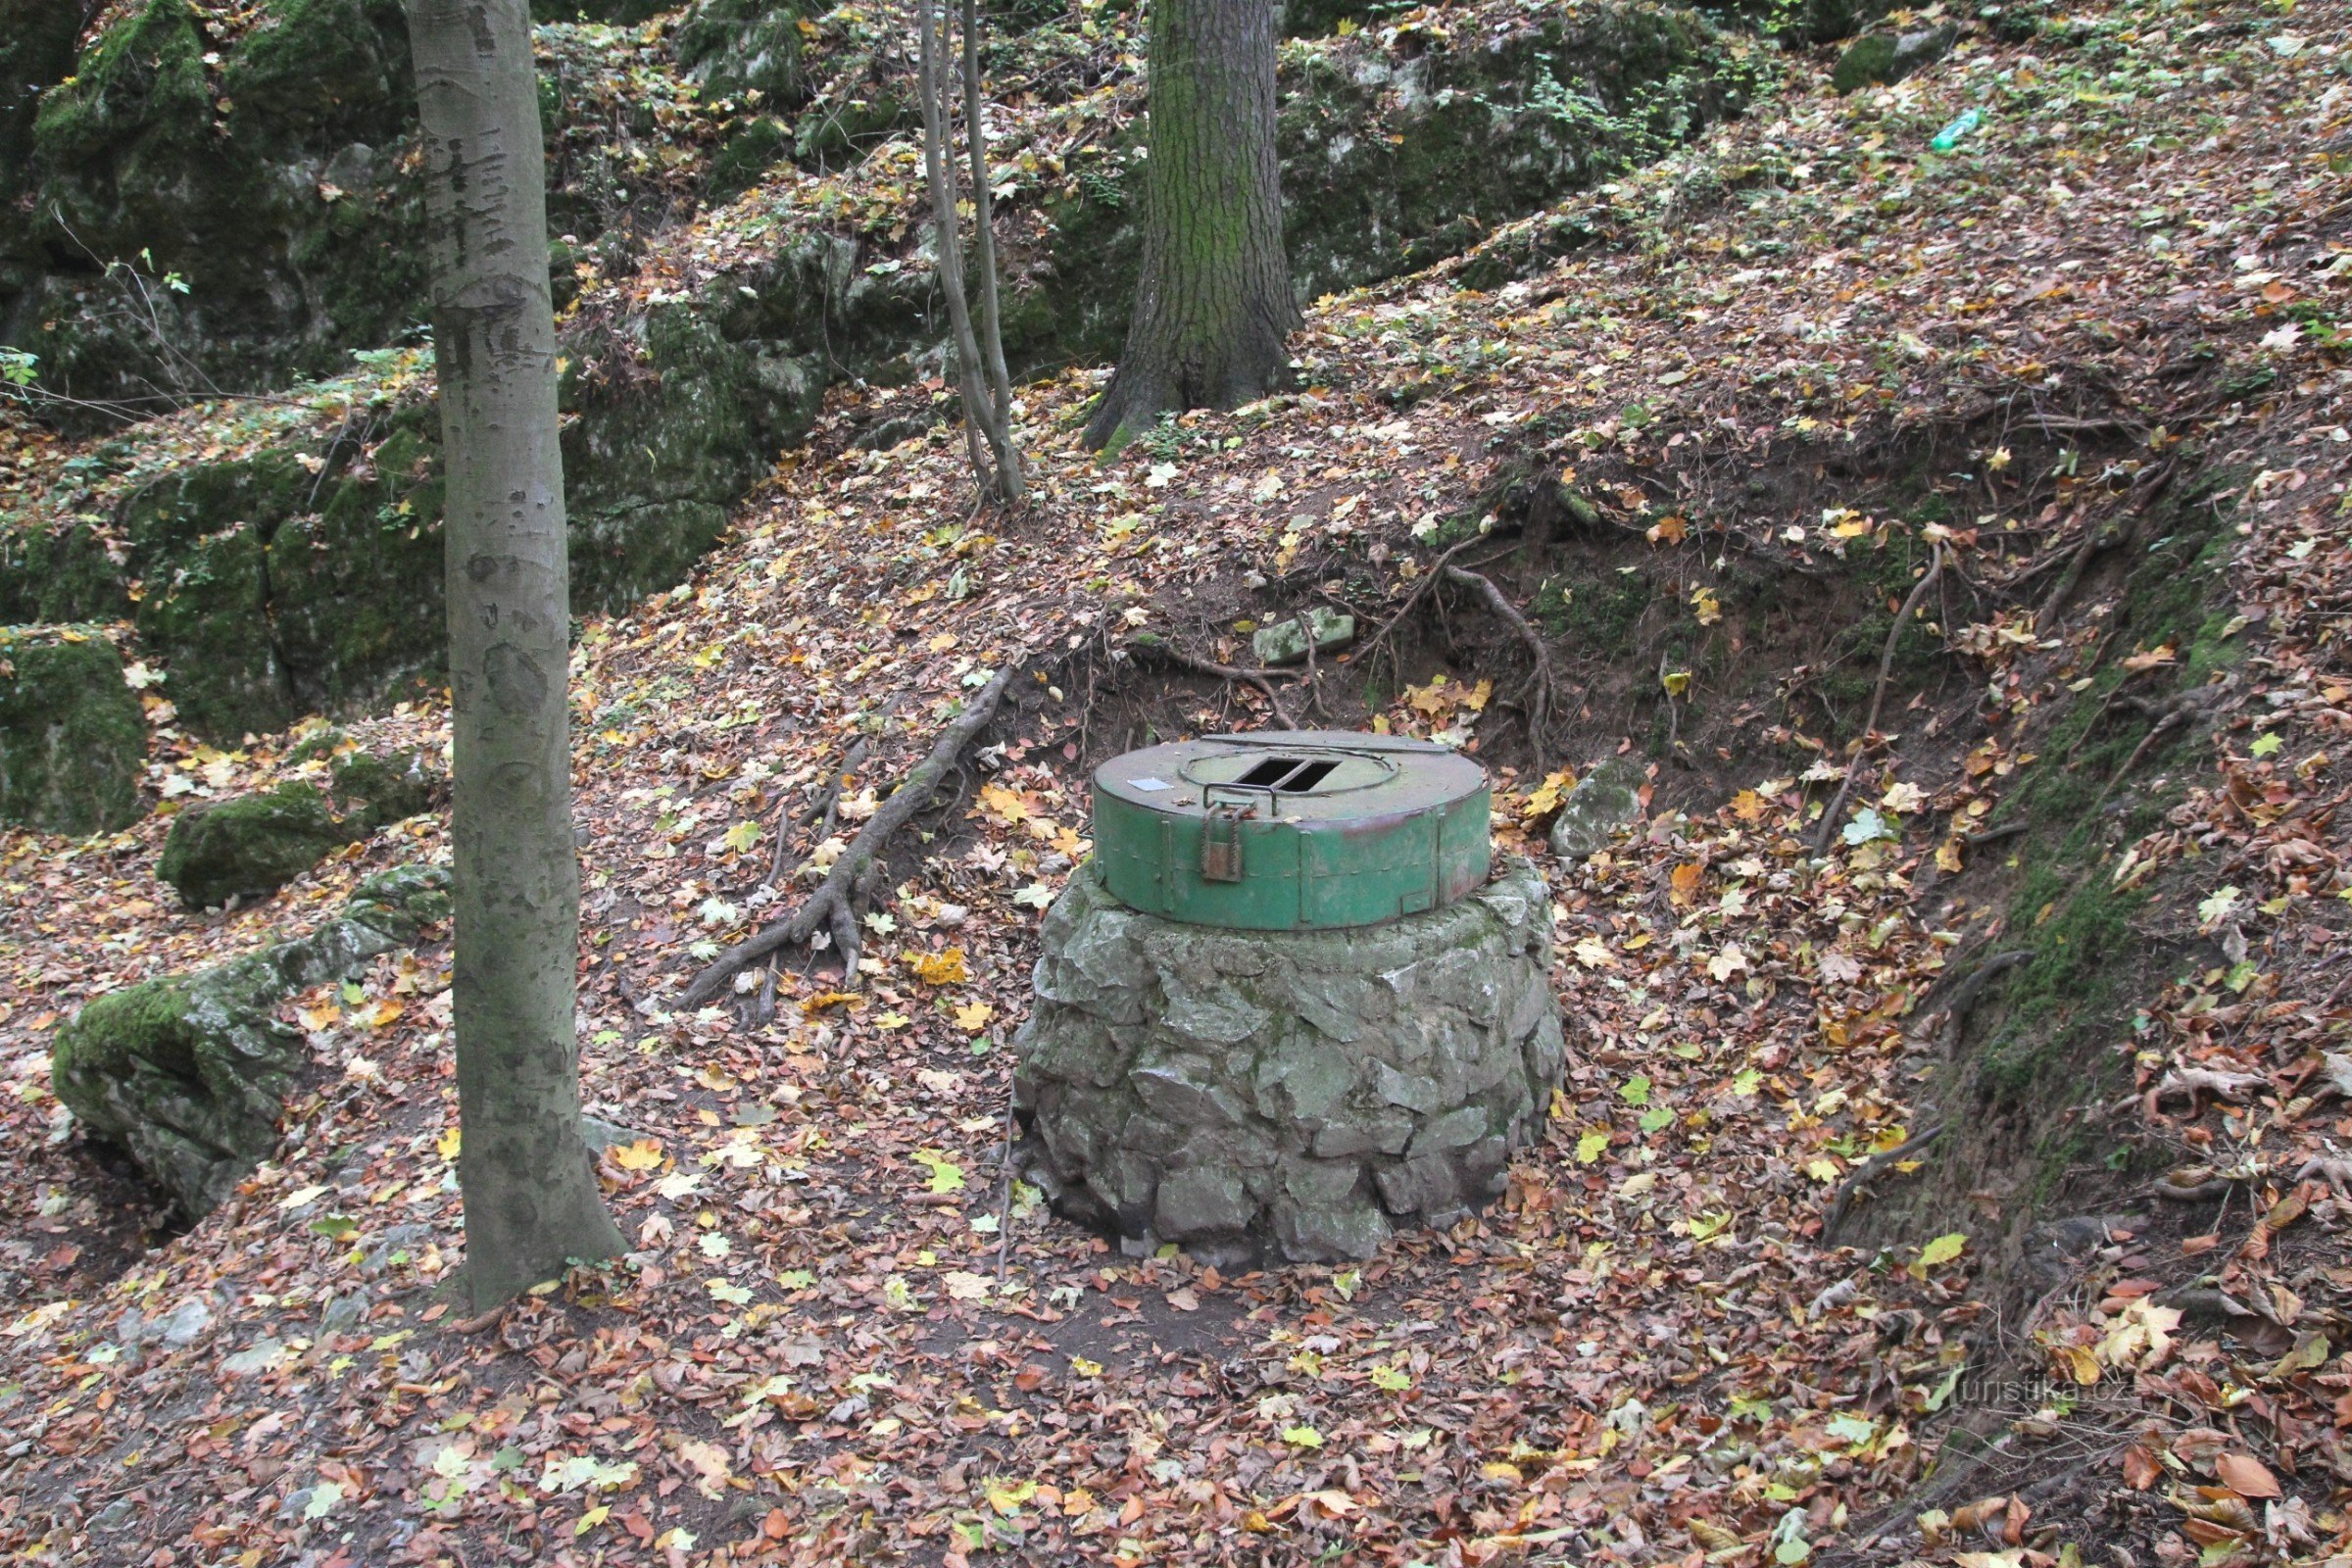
<point x="265" y="590"/>
<point x="1800" y="21"/>
<point x="270" y="590"/>
<point x="249" y="845"/>
<point x="189" y="1072"/>
<point x="372" y="789"/>
<point x="1392" y="164"/>
<point x="356" y="596"/>
<point x="1394" y="158"/>
<point x="1880" y="59"/>
<point x="37" y="40"/>
<point x="73" y="740"/>
<point x="262" y="187"/>
<point x="861" y="107"/>
<point x="744" y="156"/>
<point x="264" y="177"/>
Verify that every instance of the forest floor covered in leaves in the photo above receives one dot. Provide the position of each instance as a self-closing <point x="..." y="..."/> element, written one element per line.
<point x="1784" y="374"/>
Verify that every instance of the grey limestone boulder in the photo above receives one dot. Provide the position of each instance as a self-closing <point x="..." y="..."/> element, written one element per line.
<point x="1301" y="1093"/>
<point x="189" y="1072"/>
<point x="1604" y="802"/>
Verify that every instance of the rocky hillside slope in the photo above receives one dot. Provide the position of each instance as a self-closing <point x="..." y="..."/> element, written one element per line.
<point x="1951" y="539"/>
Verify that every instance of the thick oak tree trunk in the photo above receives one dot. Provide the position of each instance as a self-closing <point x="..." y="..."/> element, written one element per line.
<point x="1215" y="301"/>
<point x="531" y="1199"/>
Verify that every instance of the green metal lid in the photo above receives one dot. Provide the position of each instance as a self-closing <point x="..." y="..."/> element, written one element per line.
<point x="1290" y="831"/>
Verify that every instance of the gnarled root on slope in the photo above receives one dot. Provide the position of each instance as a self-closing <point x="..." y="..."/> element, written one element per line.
<point x="832" y="907"/>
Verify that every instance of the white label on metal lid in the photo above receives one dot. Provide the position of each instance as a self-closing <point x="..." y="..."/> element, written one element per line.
<point x="1147" y="783"/>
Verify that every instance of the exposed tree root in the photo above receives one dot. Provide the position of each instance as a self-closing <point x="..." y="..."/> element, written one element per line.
<point x="1421" y="585"/>
<point x="2173" y="713"/>
<point x="2097" y="538"/>
<point x="823" y="815"/>
<point x="1965" y="995"/>
<point x="1262" y="679"/>
<point x="831" y="908"/>
<point x="1869" y="1167"/>
<point x="2196" y="1083"/>
<point x="2334" y="1169"/>
<point x="1540" y="704"/>
<point x="1830" y="820"/>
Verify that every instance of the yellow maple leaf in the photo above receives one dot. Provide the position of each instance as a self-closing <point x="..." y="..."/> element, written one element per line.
<point x="1685" y="881"/>
<point x="448" y="1143"/>
<point x="973" y="1016"/>
<point x="1549" y="795"/>
<point x="998" y="801"/>
<point x="643" y="1154"/>
<point x="1708" y="608"/>
<point x="1749" y="807"/>
<point x="832" y="999"/>
<point x="940" y="968"/>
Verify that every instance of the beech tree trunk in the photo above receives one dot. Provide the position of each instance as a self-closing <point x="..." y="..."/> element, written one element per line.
<point x="531" y="1199"/>
<point x="1215" y="301"/>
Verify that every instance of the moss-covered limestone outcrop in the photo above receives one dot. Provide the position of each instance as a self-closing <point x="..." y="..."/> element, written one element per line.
<point x="189" y="1072"/>
<point x="265" y="590"/>
<point x="1398" y="150"/>
<point x="263" y="176"/>
<point x="72" y="739"/>
<point x="269" y="590"/>
<point x="1394" y="158"/>
<point x="249" y="845"/>
<point x="255" y="180"/>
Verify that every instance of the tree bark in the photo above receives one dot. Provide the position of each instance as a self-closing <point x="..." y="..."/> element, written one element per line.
<point x="1215" y="303"/>
<point x="530" y="1192"/>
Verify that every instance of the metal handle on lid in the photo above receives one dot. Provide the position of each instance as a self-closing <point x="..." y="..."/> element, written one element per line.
<point x="1221" y="830"/>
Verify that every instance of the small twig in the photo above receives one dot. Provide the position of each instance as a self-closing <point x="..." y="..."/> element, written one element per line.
<point x="1005" y="1212"/>
<point x="1866" y="1170"/>
<point x="1994" y="835"/>
<point x="1878" y="697"/>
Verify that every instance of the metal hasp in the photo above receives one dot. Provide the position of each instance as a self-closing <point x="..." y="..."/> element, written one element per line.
<point x="1290" y="831"/>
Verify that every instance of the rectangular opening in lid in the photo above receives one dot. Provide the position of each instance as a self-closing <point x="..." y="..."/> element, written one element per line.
<point x="1307" y="778"/>
<point x="1288" y="775"/>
